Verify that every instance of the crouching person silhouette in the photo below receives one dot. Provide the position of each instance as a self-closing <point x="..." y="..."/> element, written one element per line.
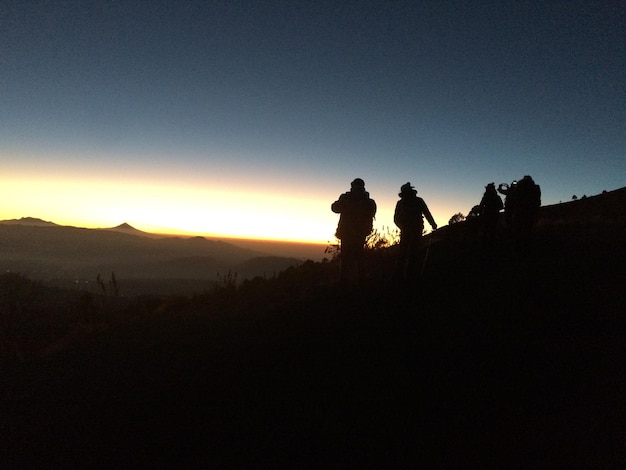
<point x="409" y="217"/>
<point x="357" y="211"/>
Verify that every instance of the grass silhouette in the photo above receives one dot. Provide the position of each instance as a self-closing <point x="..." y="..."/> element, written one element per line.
<point x="489" y="359"/>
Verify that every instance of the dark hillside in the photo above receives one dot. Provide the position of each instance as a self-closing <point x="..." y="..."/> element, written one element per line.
<point x="491" y="360"/>
<point x="68" y="255"/>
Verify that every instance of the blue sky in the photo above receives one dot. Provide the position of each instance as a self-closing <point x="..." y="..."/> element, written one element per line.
<point x="249" y="118"/>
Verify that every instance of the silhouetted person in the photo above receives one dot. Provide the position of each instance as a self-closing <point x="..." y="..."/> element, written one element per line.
<point x="409" y="217"/>
<point x="357" y="211"/>
<point x="524" y="206"/>
<point x="507" y="191"/>
<point x="490" y="207"/>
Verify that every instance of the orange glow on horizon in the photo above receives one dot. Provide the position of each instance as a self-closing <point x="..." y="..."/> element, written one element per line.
<point x="163" y="208"/>
<point x="173" y="206"/>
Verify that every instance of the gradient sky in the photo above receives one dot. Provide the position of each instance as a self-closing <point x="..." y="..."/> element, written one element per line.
<point x="249" y="118"/>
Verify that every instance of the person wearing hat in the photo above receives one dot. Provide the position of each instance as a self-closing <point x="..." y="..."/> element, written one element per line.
<point x="356" y="214"/>
<point x="409" y="217"/>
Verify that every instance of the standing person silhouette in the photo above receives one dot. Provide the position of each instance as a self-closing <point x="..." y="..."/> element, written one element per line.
<point x="508" y="190"/>
<point x="525" y="204"/>
<point x="409" y="217"/>
<point x="490" y="207"/>
<point x="357" y="211"/>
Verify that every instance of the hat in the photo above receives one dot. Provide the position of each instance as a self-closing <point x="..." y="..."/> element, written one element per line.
<point x="357" y="183"/>
<point x="407" y="189"/>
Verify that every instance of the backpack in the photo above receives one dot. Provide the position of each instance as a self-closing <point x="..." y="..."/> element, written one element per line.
<point x="357" y="215"/>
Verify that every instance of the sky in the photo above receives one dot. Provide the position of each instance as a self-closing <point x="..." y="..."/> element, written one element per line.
<point x="249" y="118"/>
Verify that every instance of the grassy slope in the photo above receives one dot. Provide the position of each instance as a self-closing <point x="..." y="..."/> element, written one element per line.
<point x="491" y="359"/>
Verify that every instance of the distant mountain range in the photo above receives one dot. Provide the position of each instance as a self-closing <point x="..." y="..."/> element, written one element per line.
<point x="62" y="254"/>
<point x="30" y="221"/>
<point x="35" y="222"/>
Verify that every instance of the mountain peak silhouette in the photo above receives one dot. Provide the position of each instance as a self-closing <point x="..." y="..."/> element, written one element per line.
<point x="125" y="226"/>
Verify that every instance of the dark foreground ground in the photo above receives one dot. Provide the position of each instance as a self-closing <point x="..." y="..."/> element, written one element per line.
<point x="491" y="360"/>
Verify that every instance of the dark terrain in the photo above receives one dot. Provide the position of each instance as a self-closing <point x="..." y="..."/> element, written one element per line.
<point x="143" y="263"/>
<point x="492" y="359"/>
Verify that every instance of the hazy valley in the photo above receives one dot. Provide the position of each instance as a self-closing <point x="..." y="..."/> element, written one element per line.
<point x="141" y="262"/>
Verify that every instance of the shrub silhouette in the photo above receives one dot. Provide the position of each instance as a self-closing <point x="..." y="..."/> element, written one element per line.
<point x="110" y="287"/>
<point x="456" y="218"/>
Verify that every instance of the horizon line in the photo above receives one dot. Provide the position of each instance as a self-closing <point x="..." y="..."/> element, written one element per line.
<point x="172" y="232"/>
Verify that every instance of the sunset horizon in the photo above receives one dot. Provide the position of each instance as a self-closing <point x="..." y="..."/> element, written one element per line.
<point x="249" y="119"/>
<point x="229" y="236"/>
<point x="226" y="284"/>
<point x="192" y="223"/>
